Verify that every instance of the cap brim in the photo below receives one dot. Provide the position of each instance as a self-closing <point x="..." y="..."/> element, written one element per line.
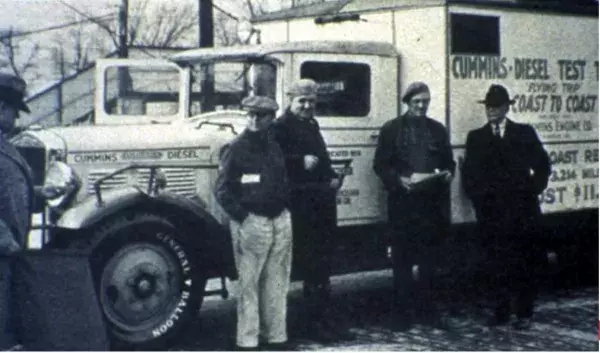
<point x="23" y="107"/>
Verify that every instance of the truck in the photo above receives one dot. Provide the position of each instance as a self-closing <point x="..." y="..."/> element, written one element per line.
<point x="135" y="178"/>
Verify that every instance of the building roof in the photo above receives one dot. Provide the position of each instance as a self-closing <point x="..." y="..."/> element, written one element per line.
<point x="336" y="7"/>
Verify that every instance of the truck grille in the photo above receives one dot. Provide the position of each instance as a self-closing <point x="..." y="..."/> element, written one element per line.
<point x="181" y="181"/>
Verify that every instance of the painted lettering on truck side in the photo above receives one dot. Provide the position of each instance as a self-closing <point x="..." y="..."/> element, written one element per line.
<point x="197" y="153"/>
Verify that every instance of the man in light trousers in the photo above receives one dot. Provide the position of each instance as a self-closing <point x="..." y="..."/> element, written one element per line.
<point x="252" y="188"/>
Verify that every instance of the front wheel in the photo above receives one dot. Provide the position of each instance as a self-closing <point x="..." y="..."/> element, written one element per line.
<point x="148" y="281"/>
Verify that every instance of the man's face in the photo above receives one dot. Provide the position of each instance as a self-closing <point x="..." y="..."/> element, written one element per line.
<point x="303" y="106"/>
<point x="8" y="116"/>
<point x="496" y="113"/>
<point x="418" y="104"/>
<point x="258" y="121"/>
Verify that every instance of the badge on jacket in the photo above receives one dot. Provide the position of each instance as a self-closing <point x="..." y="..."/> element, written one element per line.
<point x="250" y="178"/>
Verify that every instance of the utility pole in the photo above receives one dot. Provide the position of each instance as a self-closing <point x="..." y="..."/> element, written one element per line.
<point x="206" y="40"/>
<point x="123" y="52"/>
<point x="123" y="9"/>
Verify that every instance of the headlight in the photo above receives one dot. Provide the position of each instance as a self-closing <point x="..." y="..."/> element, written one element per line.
<point x="60" y="184"/>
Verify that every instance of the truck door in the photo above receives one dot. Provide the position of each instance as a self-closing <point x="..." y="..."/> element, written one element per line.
<point x="357" y="94"/>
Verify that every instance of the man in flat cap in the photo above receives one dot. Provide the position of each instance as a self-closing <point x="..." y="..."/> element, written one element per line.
<point x="16" y="197"/>
<point x="314" y="186"/>
<point x="252" y="188"/>
<point x="414" y="161"/>
<point x="505" y="169"/>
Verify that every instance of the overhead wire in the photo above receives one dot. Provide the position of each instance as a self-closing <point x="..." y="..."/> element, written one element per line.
<point x="16" y="34"/>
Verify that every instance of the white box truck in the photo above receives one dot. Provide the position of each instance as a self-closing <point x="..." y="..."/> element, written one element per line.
<point x="138" y="174"/>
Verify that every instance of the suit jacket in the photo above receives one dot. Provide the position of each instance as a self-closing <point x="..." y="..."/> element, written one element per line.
<point x="503" y="176"/>
<point x="16" y="197"/>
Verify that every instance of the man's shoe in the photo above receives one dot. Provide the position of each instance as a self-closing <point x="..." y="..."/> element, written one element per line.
<point x="401" y="324"/>
<point x="523" y="323"/>
<point x="278" y="347"/>
<point x="498" y="321"/>
<point x="321" y="333"/>
<point x="245" y="349"/>
<point x="342" y="333"/>
<point x="441" y="322"/>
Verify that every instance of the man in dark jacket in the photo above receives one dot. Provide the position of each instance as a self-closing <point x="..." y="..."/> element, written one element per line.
<point x="16" y="198"/>
<point x="505" y="169"/>
<point x="414" y="161"/>
<point x="252" y="188"/>
<point x="314" y="185"/>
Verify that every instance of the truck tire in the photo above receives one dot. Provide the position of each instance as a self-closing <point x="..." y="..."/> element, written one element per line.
<point x="148" y="282"/>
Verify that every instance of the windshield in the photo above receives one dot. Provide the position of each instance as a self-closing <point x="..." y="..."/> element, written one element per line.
<point x="229" y="84"/>
<point x="154" y="92"/>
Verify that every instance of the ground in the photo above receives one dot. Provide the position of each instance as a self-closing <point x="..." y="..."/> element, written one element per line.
<point x="565" y="320"/>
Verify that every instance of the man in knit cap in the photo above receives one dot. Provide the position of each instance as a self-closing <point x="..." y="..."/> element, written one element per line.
<point x="314" y="185"/>
<point x="414" y="161"/>
<point x="252" y="188"/>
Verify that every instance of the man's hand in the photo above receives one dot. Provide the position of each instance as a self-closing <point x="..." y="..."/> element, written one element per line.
<point x="447" y="176"/>
<point x="406" y="183"/>
<point x="310" y="162"/>
<point x="335" y="183"/>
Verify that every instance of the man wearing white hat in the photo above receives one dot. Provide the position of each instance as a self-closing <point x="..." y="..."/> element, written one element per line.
<point x="16" y="198"/>
<point x="314" y="185"/>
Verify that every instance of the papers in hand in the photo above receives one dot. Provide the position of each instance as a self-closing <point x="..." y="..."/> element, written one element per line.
<point x="421" y="181"/>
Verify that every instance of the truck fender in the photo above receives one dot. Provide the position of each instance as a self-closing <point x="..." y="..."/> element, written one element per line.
<point x="88" y="212"/>
<point x="215" y="241"/>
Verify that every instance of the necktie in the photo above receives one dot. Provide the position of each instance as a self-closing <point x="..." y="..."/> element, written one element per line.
<point x="497" y="130"/>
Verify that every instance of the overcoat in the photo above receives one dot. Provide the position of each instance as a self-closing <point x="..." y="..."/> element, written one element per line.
<point x="503" y="176"/>
<point x="16" y="195"/>
<point x="313" y="201"/>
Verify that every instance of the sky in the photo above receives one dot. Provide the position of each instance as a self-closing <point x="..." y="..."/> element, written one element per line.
<point x="37" y="15"/>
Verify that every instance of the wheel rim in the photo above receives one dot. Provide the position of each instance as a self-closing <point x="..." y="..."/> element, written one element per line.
<point x="139" y="286"/>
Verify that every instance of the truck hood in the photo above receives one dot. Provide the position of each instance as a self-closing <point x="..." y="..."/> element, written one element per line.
<point x="207" y="130"/>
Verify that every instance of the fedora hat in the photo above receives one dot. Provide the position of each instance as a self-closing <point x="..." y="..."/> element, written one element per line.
<point x="12" y="91"/>
<point x="496" y="95"/>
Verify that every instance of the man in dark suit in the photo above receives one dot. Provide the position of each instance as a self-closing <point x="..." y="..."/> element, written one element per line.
<point x="505" y="169"/>
<point x="16" y="198"/>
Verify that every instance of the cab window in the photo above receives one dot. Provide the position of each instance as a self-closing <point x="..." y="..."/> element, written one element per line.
<point x="231" y="82"/>
<point x="148" y="91"/>
<point x="344" y="88"/>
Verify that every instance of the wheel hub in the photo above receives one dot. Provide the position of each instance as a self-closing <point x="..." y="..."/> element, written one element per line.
<point x="139" y="285"/>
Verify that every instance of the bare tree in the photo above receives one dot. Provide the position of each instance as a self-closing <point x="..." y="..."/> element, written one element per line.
<point x="17" y="56"/>
<point x="164" y="25"/>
